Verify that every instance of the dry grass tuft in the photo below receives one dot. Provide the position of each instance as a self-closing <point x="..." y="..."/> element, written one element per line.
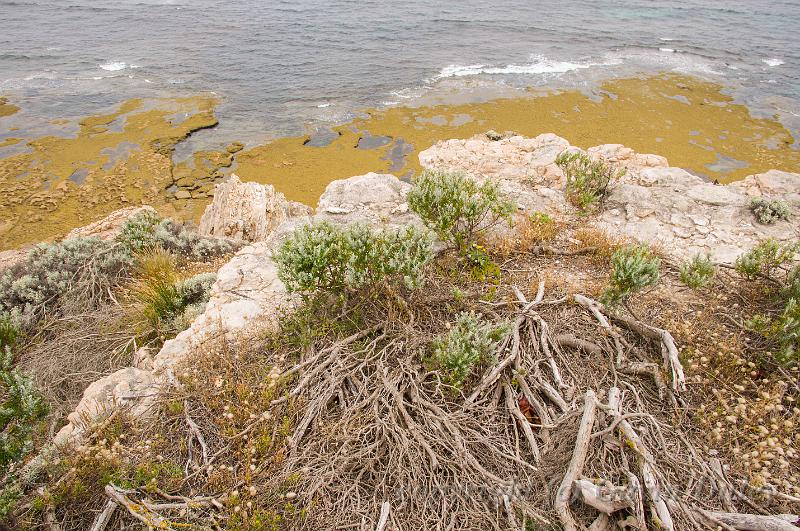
<point x="598" y="243"/>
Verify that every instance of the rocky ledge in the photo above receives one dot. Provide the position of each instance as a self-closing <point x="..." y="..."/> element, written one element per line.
<point x="653" y="203"/>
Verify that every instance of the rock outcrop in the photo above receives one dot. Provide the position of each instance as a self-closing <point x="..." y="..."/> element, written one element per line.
<point x="374" y="198"/>
<point x="653" y="203"/>
<point x="247" y="211"/>
<point x="108" y="227"/>
<point x="247" y="296"/>
<point x="130" y="386"/>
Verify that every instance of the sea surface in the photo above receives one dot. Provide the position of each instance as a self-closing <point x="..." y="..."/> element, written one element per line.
<point x="285" y="67"/>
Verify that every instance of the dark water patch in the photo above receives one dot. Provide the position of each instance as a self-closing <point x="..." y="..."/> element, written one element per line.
<point x="725" y="164"/>
<point x="322" y="137"/>
<point x="397" y="154"/>
<point x="118" y="153"/>
<point x="79" y="176"/>
<point x="368" y="141"/>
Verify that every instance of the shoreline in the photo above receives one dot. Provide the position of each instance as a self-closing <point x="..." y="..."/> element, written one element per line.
<point x="690" y="121"/>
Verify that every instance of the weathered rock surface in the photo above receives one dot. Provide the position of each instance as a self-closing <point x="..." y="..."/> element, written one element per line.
<point x="247" y="296"/>
<point x="11" y="257"/>
<point x="378" y="199"/>
<point x="247" y="211"/>
<point x="529" y="160"/>
<point x="653" y="203"/>
<point x="108" y="227"/>
<point x="126" y="387"/>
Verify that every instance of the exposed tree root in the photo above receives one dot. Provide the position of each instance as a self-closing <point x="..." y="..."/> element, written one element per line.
<point x="576" y="423"/>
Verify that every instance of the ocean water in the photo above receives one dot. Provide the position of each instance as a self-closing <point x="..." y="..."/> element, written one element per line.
<point x="283" y="67"/>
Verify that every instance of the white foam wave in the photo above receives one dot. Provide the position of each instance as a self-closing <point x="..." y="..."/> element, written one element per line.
<point x="324" y="105"/>
<point x="114" y="66"/>
<point x="538" y="65"/>
<point x="668" y="50"/>
<point x="772" y="61"/>
<point x="666" y="39"/>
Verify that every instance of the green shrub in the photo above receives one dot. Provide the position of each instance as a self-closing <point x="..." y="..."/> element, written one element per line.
<point x="137" y="232"/>
<point x="698" y="272"/>
<point x="146" y="230"/>
<point x="328" y="257"/>
<point x="765" y="258"/>
<point x="633" y="268"/>
<point x="86" y="266"/>
<point x="784" y="329"/>
<point x="468" y="342"/>
<point x="769" y="211"/>
<point x="588" y="181"/>
<point x="168" y="303"/>
<point x="21" y="408"/>
<point x="456" y="207"/>
<point x="183" y="240"/>
<point x="8" y="332"/>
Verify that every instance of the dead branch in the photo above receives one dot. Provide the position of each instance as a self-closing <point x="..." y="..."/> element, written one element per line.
<point x="575" y="467"/>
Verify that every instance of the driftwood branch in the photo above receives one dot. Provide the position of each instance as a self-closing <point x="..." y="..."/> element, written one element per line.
<point x="582" y="440"/>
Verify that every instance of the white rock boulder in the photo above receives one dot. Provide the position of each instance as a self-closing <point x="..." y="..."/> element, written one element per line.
<point x="247" y="211"/>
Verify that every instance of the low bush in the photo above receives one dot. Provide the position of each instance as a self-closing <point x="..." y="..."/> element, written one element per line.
<point x="147" y="230"/>
<point x="588" y="181"/>
<point x="769" y="211"/>
<point x="698" y="272"/>
<point x="633" y="268"/>
<point x="782" y="328"/>
<point x="457" y="208"/>
<point x="21" y="406"/>
<point x="469" y="342"/>
<point x="766" y="258"/>
<point x="330" y="258"/>
<point x="137" y="232"/>
<point x="86" y="267"/>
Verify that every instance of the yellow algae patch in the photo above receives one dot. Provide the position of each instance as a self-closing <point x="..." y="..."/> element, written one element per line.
<point x="10" y="142"/>
<point x="302" y="172"/>
<point x="6" y="109"/>
<point x="687" y="120"/>
<point x="115" y="160"/>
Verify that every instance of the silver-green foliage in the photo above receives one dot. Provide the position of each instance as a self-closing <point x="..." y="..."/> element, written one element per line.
<point x="49" y="271"/>
<point x="633" y="268"/>
<point x="588" y="181"/>
<point x="193" y="295"/>
<point x="698" y="272"/>
<point x="765" y="258"/>
<point x="769" y="211"/>
<point x="456" y="207"/>
<point x="20" y="409"/>
<point x="147" y="230"/>
<point x="466" y="344"/>
<point x="329" y="257"/>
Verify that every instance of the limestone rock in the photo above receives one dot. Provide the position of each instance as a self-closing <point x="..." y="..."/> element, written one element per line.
<point x="623" y="157"/>
<point x="108" y="227"/>
<point x="685" y="215"/>
<point x="378" y="199"/>
<point x="773" y="183"/>
<point x="653" y="203"/>
<point x="247" y="297"/>
<point x="11" y="257"/>
<point x="516" y="158"/>
<point x="131" y="387"/>
<point x="247" y="211"/>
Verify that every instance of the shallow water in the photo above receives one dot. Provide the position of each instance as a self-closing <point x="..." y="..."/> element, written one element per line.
<point x="284" y="66"/>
